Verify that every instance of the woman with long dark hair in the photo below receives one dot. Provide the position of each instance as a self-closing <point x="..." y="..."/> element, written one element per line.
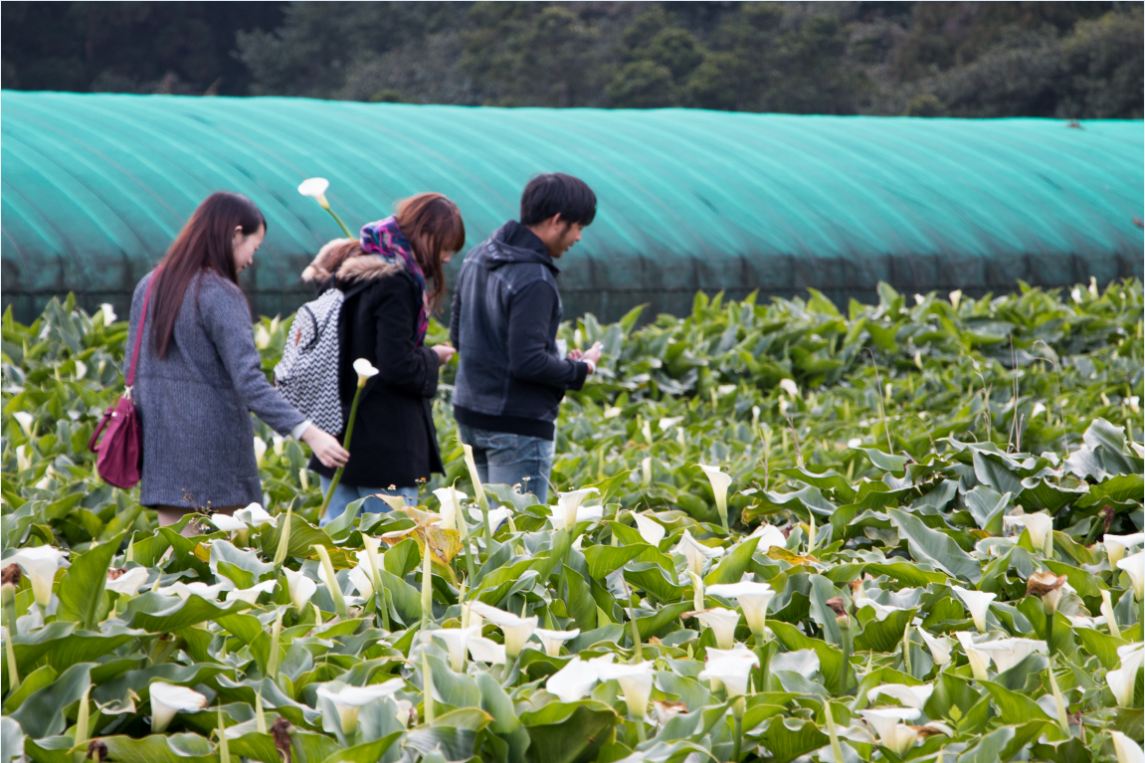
<point x="199" y="375"/>
<point x="393" y="279"/>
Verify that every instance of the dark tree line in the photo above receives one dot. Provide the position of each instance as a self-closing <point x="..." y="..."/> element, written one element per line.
<point x="1077" y="59"/>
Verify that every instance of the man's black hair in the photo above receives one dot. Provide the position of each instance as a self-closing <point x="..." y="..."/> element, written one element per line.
<point x="556" y="193"/>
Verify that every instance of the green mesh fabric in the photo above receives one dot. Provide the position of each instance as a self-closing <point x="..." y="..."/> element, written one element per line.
<point x="95" y="187"/>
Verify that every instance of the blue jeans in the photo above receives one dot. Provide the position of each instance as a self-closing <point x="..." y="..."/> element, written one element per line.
<point x="504" y="458"/>
<point x="344" y="494"/>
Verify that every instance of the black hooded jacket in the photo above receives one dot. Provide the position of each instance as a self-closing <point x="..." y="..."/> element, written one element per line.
<point x="394" y="443"/>
<point x="506" y="311"/>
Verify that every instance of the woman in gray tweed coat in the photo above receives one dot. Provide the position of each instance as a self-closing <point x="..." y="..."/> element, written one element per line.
<point x="199" y="374"/>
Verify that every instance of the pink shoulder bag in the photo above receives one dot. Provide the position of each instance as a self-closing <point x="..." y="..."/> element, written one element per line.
<point x="118" y="438"/>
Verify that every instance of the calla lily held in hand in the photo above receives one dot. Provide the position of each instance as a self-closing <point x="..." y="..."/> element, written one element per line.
<point x="365" y="371"/>
<point x="315" y="188"/>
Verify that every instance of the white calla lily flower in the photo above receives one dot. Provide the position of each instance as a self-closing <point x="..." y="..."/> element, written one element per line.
<point x="196" y="588"/>
<point x="650" y="530"/>
<point x="566" y="512"/>
<point x="1008" y="652"/>
<point x="226" y="522"/>
<point x="316" y="189"/>
<point x="365" y="370"/>
<point x="516" y="630"/>
<point x="1123" y="681"/>
<point x="254" y="515"/>
<point x="349" y="700"/>
<point x="695" y="552"/>
<point x="636" y="683"/>
<point x="486" y="650"/>
<point x="40" y="564"/>
<point x="301" y="588"/>
<point x="1126" y="750"/>
<point x="25" y="420"/>
<point x="790" y="387"/>
<point x="908" y="696"/>
<point x="1039" y="525"/>
<point x="107" y="310"/>
<point x="129" y="583"/>
<point x="721" y="481"/>
<point x="456" y="642"/>
<point x="888" y="724"/>
<point x="731" y="668"/>
<point x="1117" y="545"/>
<point x="753" y="599"/>
<point x="362" y="580"/>
<point x="575" y="680"/>
<point x="552" y="640"/>
<point x="723" y="623"/>
<point x="1134" y="566"/>
<point x="450" y="500"/>
<point x="769" y="535"/>
<point x="168" y="699"/>
<point x="939" y="647"/>
<point x="979" y="660"/>
<point x="978" y="603"/>
<point x="497" y="516"/>
<point x="250" y="595"/>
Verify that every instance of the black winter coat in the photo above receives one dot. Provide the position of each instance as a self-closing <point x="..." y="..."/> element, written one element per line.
<point x="394" y="440"/>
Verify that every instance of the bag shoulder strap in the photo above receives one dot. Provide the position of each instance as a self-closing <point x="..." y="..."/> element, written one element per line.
<point x="130" y="380"/>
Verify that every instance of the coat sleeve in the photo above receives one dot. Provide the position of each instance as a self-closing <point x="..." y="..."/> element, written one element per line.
<point x="531" y="312"/>
<point x="227" y="319"/>
<point x="402" y="365"/>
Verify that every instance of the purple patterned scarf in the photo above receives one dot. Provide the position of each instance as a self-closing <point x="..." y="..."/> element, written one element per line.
<point x="383" y="238"/>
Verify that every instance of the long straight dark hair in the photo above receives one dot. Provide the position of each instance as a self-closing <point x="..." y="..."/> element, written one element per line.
<point x="205" y="243"/>
<point x="433" y="225"/>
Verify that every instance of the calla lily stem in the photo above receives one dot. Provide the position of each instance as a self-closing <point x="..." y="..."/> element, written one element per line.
<point x="338" y="220"/>
<point x="345" y="444"/>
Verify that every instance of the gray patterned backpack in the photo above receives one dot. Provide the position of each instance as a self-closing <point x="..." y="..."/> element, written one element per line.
<point x="307" y="375"/>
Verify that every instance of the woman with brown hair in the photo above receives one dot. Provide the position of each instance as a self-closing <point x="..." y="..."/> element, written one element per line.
<point x="199" y="375"/>
<point x="393" y="278"/>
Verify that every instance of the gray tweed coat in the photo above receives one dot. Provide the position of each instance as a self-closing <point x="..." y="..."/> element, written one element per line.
<point x="195" y="404"/>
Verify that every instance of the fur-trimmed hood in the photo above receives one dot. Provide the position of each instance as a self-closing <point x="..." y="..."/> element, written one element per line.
<point x="343" y="259"/>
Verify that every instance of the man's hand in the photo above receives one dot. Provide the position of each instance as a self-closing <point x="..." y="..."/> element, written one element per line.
<point x="592" y="354"/>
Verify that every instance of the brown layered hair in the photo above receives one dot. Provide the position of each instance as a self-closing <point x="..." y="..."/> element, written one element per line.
<point x="206" y="243"/>
<point x="432" y="224"/>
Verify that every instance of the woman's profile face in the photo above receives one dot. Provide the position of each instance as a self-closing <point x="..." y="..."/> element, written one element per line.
<point x="245" y="245"/>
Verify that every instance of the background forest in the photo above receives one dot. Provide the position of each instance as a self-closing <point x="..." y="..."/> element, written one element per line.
<point x="1068" y="60"/>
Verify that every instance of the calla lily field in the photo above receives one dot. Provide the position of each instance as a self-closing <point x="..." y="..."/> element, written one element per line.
<point x="908" y="530"/>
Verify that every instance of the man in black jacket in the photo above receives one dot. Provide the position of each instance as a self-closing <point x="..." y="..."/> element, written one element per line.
<point x="506" y="310"/>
